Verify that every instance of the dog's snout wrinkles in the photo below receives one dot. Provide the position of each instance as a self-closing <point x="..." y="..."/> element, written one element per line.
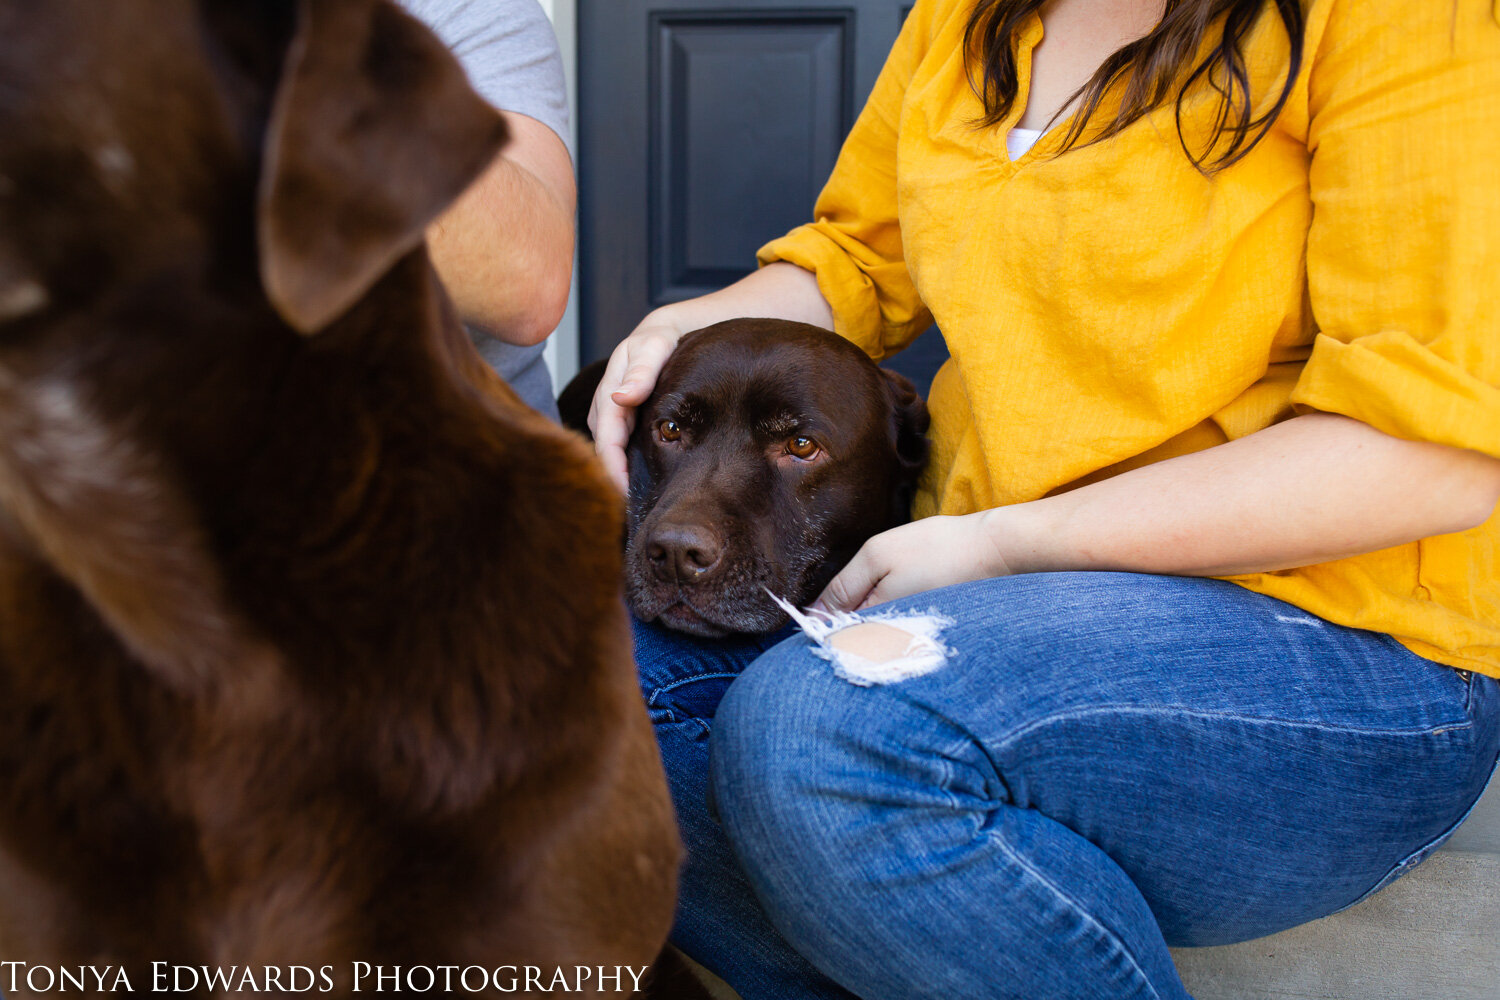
<point x="684" y="552"/>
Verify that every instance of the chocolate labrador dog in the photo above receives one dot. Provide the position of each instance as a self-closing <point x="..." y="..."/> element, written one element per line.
<point x="767" y="454"/>
<point x="311" y="646"/>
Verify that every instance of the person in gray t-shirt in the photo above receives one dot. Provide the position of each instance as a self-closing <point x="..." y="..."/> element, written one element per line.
<point x="505" y="249"/>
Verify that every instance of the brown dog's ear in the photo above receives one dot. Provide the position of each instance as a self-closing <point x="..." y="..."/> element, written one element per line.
<point x="374" y="131"/>
<point x="912" y="421"/>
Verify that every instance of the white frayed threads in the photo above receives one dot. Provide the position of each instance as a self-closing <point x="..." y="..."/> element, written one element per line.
<point x="922" y="653"/>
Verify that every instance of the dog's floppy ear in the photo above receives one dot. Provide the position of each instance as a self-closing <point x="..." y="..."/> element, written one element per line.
<point x="911" y="419"/>
<point x="373" y="132"/>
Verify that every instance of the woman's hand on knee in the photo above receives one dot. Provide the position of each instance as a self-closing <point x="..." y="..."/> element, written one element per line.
<point x="923" y="555"/>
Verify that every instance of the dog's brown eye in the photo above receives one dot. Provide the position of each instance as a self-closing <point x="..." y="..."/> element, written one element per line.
<point x="802" y="447"/>
<point x="669" y="430"/>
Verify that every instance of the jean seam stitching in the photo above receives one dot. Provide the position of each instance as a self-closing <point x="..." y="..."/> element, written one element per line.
<point x="1077" y="908"/>
<point x="657" y="692"/>
<point x="1083" y="713"/>
<point x="948" y="757"/>
<point x="1421" y="854"/>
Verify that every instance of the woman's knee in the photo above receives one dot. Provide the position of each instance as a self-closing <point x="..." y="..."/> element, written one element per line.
<point x="801" y="756"/>
<point x="784" y="787"/>
<point x="771" y="748"/>
<point x="762" y="724"/>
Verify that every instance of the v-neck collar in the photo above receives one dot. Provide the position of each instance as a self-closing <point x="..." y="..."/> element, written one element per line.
<point x="1048" y="143"/>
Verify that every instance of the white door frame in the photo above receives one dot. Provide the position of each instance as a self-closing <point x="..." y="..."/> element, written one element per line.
<point x="562" y="347"/>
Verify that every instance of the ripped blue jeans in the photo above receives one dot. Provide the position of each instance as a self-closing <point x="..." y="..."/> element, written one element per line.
<point x="1104" y="764"/>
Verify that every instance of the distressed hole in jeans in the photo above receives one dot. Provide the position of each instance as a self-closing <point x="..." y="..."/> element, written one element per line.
<point x="875" y="649"/>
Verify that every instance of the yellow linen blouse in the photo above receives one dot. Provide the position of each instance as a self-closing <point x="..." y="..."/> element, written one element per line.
<point x="1112" y="306"/>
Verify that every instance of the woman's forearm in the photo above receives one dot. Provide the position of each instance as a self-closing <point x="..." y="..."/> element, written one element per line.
<point x="1309" y="490"/>
<point x="776" y="291"/>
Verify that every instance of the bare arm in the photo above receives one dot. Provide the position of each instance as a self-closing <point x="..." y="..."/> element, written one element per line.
<point x="1313" y="489"/>
<point x="777" y="291"/>
<point x="505" y="249"/>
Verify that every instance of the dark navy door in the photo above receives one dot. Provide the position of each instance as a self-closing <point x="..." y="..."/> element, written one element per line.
<point x="707" y="127"/>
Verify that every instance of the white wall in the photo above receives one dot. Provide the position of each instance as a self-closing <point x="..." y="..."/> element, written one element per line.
<point x="562" y="346"/>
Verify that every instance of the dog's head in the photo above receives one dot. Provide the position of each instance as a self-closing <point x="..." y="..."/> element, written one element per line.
<point x="188" y="189"/>
<point x="170" y="139"/>
<point x="767" y="454"/>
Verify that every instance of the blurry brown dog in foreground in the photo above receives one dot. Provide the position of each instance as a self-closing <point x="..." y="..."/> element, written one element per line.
<point x="311" y="644"/>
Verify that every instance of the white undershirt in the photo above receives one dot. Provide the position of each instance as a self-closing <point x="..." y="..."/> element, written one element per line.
<point x="1019" y="140"/>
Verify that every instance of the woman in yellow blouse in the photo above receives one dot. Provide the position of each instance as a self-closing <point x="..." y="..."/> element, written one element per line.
<point x="1209" y="529"/>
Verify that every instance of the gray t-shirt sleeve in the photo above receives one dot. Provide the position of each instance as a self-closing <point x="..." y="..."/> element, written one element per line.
<point x="509" y="51"/>
<point x="510" y="54"/>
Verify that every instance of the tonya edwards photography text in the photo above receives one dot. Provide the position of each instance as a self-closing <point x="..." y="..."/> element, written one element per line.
<point x="359" y="977"/>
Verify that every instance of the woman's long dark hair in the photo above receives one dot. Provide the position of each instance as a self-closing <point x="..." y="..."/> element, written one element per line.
<point x="1148" y="68"/>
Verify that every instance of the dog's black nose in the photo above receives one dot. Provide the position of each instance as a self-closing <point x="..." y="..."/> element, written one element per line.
<point x="684" y="552"/>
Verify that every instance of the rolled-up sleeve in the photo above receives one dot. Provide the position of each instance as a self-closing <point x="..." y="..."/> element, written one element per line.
<point x="1404" y="248"/>
<point x="854" y="246"/>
